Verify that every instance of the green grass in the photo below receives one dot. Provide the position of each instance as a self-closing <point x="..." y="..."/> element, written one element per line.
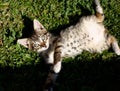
<point x="23" y="70"/>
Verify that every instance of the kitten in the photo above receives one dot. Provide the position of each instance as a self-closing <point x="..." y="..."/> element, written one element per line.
<point x="88" y="34"/>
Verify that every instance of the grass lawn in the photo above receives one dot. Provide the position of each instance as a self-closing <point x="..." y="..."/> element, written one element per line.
<point x="23" y="70"/>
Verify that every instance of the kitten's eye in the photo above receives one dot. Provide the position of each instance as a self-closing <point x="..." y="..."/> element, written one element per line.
<point x="36" y="45"/>
<point x="43" y="38"/>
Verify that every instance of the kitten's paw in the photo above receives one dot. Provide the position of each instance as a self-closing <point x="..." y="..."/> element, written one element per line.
<point x="118" y="52"/>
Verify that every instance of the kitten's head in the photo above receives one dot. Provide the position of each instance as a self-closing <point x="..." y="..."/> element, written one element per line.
<point x="39" y="41"/>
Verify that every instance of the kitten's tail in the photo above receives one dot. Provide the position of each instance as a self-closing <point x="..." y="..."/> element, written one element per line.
<point x="99" y="11"/>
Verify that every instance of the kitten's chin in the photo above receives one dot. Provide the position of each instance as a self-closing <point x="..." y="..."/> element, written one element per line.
<point x="42" y="49"/>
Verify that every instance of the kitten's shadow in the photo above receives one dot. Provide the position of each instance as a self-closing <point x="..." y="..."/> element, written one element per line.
<point x="28" y="29"/>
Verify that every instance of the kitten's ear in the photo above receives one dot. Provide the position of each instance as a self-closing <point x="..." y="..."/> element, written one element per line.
<point x="38" y="26"/>
<point x="23" y="42"/>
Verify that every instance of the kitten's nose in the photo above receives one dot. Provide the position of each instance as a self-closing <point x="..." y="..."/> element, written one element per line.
<point x="43" y="44"/>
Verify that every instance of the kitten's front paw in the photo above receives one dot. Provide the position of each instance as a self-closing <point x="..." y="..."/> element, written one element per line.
<point x="118" y="52"/>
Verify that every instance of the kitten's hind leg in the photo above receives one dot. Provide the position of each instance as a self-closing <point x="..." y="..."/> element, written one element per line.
<point x="99" y="11"/>
<point x="113" y="42"/>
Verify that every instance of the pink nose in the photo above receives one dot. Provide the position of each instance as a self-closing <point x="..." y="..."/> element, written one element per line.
<point x="43" y="44"/>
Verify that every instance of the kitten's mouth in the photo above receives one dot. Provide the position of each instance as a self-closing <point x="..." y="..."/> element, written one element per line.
<point x="43" y="44"/>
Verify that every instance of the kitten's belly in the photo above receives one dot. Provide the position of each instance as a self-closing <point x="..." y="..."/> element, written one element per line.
<point x="87" y="35"/>
<point x="72" y="52"/>
<point x="89" y="46"/>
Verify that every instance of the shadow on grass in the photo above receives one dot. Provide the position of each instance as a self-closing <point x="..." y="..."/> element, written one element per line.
<point x="24" y="78"/>
<point x="28" y="30"/>
<point x="95" y="75"/>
